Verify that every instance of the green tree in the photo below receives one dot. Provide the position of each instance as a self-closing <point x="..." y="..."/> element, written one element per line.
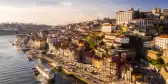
<point x="93" y="40"/>
<point x="160" y="61"/>
<point x="112" y="47"/>
<point x="158" y="54"/>
<point x="166" y="17"/>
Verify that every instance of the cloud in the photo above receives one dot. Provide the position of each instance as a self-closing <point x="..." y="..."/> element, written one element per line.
<point x="58" y="12"/>
<point x="66" y="3"/>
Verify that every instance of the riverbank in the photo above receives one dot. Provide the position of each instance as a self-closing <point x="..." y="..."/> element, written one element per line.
<point x="73" y="75"/>
<point x="69" y="60"/>
<point x="67" y="72"/>
<point x="8" y="32"/>
<point x="36" y="54"/>
<point x="55" y="64"/>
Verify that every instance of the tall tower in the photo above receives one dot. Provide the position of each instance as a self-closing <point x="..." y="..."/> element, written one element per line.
<point x="156" y="11"/>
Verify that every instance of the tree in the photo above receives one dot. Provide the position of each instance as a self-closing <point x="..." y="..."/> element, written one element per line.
<point x="93" y="40"/>
<point x="160" y="27"/>
<point x="166" y="17"/>
<point x="69" y="39"/>
<point x="158" y="54"/>
<point x="60" y="68"/>
<point x="112" y="47"/>
<point x="102" y="43"/>
<point x="132" y="24"/>
<point x="160" y="61"/>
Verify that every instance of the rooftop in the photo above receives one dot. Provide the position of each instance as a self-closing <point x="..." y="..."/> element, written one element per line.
<point x="111" y="34"/>
<point x="107" y="24"/>
<point x="122" y="37"/>
<point x="163" y="36"/>
<point x="147" y="12"/>
<point x="147" y="19"/>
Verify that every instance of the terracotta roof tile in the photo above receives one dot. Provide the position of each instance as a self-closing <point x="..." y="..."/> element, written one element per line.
<point x="110" y="34"/>
<point x="122" y="37"/>
<point x="107" y="24"/>
<point x="163" y="36"/>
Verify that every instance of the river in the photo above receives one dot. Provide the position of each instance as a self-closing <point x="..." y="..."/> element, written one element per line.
<point x="16" y="69"/>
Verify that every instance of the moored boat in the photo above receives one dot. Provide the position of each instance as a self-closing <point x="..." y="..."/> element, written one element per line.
<point x="12" y="43"/>
<point x="45" y="72"/>
<point x="25" y="49"/>
<point x="29" y="58"/>
<point x="35" y="71"/>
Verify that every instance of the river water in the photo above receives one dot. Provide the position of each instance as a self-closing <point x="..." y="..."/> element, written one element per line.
<point x="16" y="69"/>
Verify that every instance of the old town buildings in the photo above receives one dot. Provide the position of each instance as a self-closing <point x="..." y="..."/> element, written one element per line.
<point x="107" y="50"/>
<point x="108" y="28"/>
<point x="161" y="42"/>
<point x="138" y="17"/>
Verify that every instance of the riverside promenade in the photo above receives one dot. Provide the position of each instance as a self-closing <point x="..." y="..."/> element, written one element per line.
<point x="55" y="63"/>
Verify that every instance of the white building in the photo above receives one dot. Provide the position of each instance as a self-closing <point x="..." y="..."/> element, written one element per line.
<point x="112" y="39"/>
<point x="165" y="11"/>
<point x="137" y="32"/>
<point x="109" y="38"/>
<point x="161" y="42"/>
<point x="148" y="44"/>
<point x="122" y="39"/>
<point x="145" y="22"/>
<point x="107" y="27"/>
<point x="125" y="16"/>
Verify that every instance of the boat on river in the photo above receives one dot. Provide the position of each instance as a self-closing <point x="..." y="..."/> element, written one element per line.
<point x="12" y="43"/>
<point x="35" y="71"/>
<point x="47" y="73"/>
<point x="25" y="49"/>
<point x="30" y="58"/>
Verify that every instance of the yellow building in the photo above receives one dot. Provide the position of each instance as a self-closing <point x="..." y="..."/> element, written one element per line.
<point x="164" y="73"/>
<point x="32" y="42"/>
<point x="40" y="43"/>
<point x="152" y="54"/>
<point x="107" y="28"/>
<point x="97" y="63"/>
<point x="165" y="55"/>
<point x="137" y="76"/>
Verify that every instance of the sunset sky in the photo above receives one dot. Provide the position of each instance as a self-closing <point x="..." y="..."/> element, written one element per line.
<point x="68" y="11"/>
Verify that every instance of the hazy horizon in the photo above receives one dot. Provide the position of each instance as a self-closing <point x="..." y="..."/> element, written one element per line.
<point x="55" y="12"/>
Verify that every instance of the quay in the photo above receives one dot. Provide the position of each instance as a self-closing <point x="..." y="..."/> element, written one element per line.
<point x="55" y="64"/>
